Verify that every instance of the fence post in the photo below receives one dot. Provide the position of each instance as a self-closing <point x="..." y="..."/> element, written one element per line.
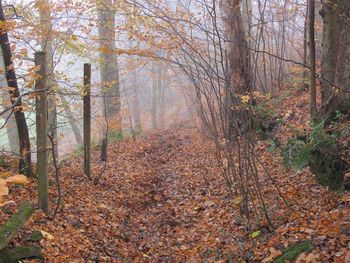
<point x="41" y="131"/>
<point x="87" y="119"/>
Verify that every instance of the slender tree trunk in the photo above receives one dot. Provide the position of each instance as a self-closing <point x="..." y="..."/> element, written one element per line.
<point x="305" y="44"/>
<point x="72" y="121"/>
<point x="160" y="93"/>
<point x="312" y="55"/>
<point x="41" y="132"/>
<point x="154" y="105"/>
<point x="136" y="101"/>
<point x="22" y="128"/>
<point x="87" y="120"/>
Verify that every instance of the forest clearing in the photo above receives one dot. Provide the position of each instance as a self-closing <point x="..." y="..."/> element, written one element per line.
<point x="175" y="131"/>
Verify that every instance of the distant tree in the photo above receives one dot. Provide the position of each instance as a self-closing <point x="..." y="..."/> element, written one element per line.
<point x="9" y="117"/>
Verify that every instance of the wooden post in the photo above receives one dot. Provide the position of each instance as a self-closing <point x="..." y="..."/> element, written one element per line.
<point x="104" y="150"/>
<point x="41" y="132"/>
<point x="87" y="119"/>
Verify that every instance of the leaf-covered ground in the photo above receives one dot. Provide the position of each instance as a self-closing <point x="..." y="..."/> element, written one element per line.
<point x="162" y="199"/>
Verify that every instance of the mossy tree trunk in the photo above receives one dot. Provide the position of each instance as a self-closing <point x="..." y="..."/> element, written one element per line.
<point x="9" y="230"/>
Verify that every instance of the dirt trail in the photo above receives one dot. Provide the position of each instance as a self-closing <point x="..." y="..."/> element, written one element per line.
<point x="162" y="199"/>
<point x="158" y="201"/>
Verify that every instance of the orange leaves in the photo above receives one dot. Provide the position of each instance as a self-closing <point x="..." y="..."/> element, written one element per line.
<point x="273" y="254"/>
<point x="7" y="178"/>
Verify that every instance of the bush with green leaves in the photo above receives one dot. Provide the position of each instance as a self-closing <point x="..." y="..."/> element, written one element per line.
<point x="320" y="151"/>
<point x="265" y="120"/>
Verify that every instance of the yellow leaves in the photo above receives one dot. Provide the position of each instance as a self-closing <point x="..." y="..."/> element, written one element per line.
<point x="245" y="99"/>
<point x="47" y="235"/>
<point x="23" y="51"/>
<point x="238" y="200"/>
<point x="5" y="174"/>
<point x="224" y="163"/>
<point x="18" y="179"/>
<point x="256" y="234"/>
<point x="3" y="188"/>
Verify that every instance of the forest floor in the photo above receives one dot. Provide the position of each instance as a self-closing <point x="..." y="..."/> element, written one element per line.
<point x="162" y="199"/>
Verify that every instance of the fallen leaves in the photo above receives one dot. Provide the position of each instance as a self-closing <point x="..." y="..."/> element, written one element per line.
<point x="7" y="178"/>
<point x="162" y="198"/>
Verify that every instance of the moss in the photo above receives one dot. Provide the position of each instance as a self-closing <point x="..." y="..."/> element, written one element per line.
<point x="19" y="253"/>
<point x="13" y="225"/>
<point x="36" y="236"/>
<point x="328" y="167"/>
<point x="24" y="252"/>
<point x="291" y="253"/>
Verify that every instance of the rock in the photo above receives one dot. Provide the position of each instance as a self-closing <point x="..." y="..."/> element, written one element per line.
<point x="35" y="236"/>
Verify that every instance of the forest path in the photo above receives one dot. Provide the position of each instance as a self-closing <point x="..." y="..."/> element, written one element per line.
<point x="159" y="200"/>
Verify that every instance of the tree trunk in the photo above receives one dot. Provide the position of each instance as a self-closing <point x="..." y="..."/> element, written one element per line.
<point x="335" y="65"/>
<point x="239" y="68"/>
<point x="136" y="101"/>
<point x="312" y="56"/>
<point x="72" y="121"/>
<point x="41" y="132"/>
<point x="46" y="46"/>
<point x="154" y="109"/>
<point x="109" y="64"/>
<point x="10" y="229"/>
<point x="87" y="120"/>
<point x="22" y="128"/>
<point x="305" y="45"/>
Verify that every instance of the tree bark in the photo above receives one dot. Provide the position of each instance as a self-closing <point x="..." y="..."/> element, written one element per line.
<point x="305" y="45"/>
<point x="239" y="68"/>
<point x="87" y="120"/>
<point x="136" y="101"/>
<point x="46" y="46"/>
<point x="41" y="132"/>
<point x="72" y="121"/>
<point x="154" y="104"/>
<point x="335" y="65"/>
<point x="108" y="63"/>
<point x="22" y="128"/>
<point x="14" y="224"/>
<point x="312" y="56"/>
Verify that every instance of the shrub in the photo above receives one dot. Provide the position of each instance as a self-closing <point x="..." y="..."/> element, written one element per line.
<point x="321" y="151"/>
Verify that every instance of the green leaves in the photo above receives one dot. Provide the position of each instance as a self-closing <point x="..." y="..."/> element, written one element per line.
<point x="256" y="234"/>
